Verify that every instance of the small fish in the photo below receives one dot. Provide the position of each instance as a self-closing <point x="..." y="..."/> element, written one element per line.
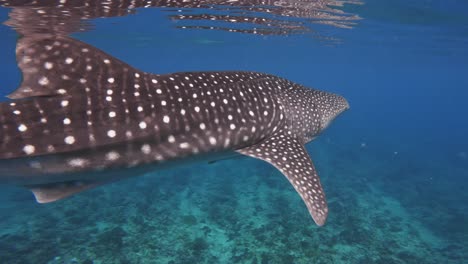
<point x="82" y="118"/>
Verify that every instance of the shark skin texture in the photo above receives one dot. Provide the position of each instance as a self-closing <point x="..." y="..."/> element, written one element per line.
<point x="82" y="118"/>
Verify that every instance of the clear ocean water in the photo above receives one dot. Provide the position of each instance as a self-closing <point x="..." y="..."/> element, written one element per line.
<point x="394" y="167"/>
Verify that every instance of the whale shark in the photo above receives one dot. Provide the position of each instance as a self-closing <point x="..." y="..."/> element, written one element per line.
<point x="83" y="118"/>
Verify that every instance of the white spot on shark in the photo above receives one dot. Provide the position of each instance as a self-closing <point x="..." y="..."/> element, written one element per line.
<point x="29" y="149"/>
<point x="69" y="140"/>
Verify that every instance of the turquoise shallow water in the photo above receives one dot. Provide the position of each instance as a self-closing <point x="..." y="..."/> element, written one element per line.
<point x="394" y="167"/>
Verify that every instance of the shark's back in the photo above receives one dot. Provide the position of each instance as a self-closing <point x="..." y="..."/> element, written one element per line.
<point x="75" y="98"/>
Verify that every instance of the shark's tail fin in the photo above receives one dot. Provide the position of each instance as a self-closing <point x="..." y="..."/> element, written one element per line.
<point x="72" y="96"/>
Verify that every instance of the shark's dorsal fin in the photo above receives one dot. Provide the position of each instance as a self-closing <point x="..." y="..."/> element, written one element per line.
<point x="60" y="65"/>
<point x="46" y="193"/>
<point x="289" y="156"/>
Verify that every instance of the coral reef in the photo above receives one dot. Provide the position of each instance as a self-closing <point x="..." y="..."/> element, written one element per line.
<point x="243" y="211"/>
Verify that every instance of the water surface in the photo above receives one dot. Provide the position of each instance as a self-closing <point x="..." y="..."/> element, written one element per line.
<point x="394" y="167"/>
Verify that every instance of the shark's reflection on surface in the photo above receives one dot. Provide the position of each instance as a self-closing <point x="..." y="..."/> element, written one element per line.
<point x="82" y="118"/>
<point x="245" y="16"/>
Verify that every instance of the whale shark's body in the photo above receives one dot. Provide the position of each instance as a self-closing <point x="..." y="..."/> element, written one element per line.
<point x="82" y="118"/>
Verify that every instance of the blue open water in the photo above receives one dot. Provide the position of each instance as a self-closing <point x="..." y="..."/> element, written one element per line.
<point x="394" y="166"/>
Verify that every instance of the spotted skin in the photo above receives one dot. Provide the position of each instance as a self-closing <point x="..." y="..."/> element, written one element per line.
<point x="159" y="106"/>
<point x="80" y="116"/>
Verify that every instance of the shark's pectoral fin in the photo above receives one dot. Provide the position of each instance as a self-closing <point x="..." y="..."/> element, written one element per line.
<point x="46" y="193"/>
<point x="289" y="156"/>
